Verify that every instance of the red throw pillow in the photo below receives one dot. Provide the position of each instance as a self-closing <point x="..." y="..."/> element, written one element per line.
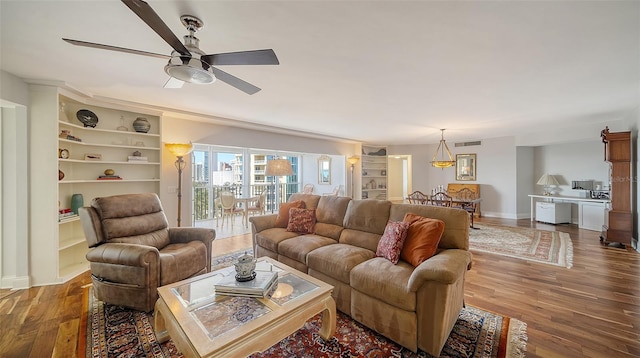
<point x="302" y="221"/>
<point x="282" y="220"/>
<point x="422" y="239"/>
<point x="392" y="241"/>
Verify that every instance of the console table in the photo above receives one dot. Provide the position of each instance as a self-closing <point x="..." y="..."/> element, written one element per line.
<point x="581" y="205"/>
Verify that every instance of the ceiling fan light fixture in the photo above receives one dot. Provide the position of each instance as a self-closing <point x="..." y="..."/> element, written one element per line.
<point x="192" y="71"/>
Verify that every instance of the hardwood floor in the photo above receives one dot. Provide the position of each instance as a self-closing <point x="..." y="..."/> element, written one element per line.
<point x="590" y="310"/>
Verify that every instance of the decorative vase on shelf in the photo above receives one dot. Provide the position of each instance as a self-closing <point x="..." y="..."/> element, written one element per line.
<point x="63" y="113"/>
<point x="141" y="125"/>
<point x="60" y="174"/>
<point x="77" y="201"/>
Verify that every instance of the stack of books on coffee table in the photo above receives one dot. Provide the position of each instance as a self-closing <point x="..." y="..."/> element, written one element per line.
<point x="260" y="286"/>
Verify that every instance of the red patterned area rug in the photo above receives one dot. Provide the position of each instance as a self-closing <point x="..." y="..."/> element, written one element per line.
<point x="548" y="247"/>
<point x="113" y="331"/>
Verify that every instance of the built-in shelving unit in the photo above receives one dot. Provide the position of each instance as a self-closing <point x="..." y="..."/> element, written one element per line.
<point x="83" y="154"/>
<point x="374" y="172"/>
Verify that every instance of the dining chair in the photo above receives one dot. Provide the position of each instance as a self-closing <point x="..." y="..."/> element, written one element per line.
<point x="335" y="191"/>
<point x="229" y="207"/>
<point x="441" y="199"/>
<point x="256" y="205"/>
<point x="417" y="197"/>
<point x="307" y="189"/>
<point x="465" y="200"/>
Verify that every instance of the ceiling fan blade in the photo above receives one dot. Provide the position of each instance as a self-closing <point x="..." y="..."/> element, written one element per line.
<point x="256" y="57"/>
<point x="115" y="48"/>
<point x="234" y="81"/>
<point x="146" y="13"/>
<point x="173" y="82"/>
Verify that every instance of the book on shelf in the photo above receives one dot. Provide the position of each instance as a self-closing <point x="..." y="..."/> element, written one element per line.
<point x="109" y="177"/>
<point x="133" y="158"/>
<point x="63" y="218"/>
<point x="260" y="286"/>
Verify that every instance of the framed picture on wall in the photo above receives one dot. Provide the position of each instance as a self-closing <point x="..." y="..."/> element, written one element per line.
<point x="466" y="167"/>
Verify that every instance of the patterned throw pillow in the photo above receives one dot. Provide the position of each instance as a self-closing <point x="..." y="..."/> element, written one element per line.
<point x="302" y="221"/>
<point x="392" y="241"/>
<point x="422" y="240"/>
<point x="282" y="220"/>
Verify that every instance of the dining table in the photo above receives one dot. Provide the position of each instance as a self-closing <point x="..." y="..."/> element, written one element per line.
<point x="245" y="205"/>
<point x="455" y="202"/>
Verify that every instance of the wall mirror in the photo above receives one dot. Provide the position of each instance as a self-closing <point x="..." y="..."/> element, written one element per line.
<point x="324" y="170"/>
<point x="466" y="167"/>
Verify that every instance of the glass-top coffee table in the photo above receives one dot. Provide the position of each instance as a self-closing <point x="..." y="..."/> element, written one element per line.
<point x="203" y="324"/>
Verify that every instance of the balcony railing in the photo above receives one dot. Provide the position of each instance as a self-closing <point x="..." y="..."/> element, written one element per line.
<point x="204" y="196"/>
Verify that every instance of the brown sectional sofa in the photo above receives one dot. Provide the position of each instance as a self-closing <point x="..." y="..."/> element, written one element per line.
<point x="415" y="306"/>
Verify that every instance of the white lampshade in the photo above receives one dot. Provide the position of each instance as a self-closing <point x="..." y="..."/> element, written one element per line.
<point x="278" y="167"/>
<point x="547" y="179"/>
<point x="353" y="159"/>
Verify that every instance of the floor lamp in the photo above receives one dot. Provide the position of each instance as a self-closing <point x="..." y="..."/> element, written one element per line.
<point x="352" y="160"/>
<point x="278" y="167"/>
<point x="179" y="150"/>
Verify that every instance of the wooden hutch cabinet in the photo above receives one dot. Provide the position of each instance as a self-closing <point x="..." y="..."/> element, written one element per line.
<point x="618" y="227"/>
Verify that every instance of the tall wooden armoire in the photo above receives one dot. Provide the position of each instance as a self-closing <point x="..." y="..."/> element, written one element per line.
<point x="618" y="227"/>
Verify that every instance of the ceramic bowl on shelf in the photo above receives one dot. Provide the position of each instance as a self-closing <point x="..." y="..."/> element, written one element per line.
<point x="141" y="125"/>
<point x="88" y="118"/>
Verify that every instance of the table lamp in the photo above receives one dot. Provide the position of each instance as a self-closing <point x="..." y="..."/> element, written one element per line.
<point x="547" y="180"/>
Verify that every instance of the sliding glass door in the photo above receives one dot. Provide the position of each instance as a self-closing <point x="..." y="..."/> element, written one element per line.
<point x="240" y="171"/>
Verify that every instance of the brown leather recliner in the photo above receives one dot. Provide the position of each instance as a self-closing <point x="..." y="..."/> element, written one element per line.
<point x="134" y="251"/>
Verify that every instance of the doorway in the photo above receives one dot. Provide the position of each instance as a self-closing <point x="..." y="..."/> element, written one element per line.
<point x="399" y="180"/>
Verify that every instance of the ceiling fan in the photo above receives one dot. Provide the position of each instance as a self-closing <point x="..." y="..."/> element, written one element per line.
<point x="187" y="62"/>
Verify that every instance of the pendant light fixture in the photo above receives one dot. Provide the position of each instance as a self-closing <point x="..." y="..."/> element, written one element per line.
<point x="442" y="162"/>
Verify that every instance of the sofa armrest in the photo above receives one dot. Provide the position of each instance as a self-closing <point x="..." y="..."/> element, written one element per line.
<point x="447" y="267"/>
<point x="262" y="222"/>
<point x="124" y="254"/>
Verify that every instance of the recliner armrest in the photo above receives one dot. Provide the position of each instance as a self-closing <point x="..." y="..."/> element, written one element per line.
<point x="125" y="254"/>
<point x="447" y="266"/>
<point x="188" y="234"/>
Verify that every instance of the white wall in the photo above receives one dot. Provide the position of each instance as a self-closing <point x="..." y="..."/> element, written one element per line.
<point x="310" y="173"/>
<point x="525" y="179"/>
<point x="14" y="193"/>
<point x="572" y="161"/>
<point x="495" y="172"/>
<point x="395" y="178"/>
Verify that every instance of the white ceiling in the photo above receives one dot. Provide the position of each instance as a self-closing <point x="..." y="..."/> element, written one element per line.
<point x="389" y="72"/>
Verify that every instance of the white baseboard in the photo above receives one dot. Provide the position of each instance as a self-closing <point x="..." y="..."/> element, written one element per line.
<point x="15" y="283"/>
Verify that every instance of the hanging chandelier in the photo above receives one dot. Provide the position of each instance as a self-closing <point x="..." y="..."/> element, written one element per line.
<point x="442" y="162"/>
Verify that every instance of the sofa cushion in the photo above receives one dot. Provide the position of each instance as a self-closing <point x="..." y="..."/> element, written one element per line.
<point x="298" y="247"/>
<point x="331" y="209"/>
<point x="337" y="260"/>
<point x="302" y="221"/>
<point x="368" y="215"/>
<point x="422" y="240"/>
<point x="456" y="236"/>
<point x="385" y="281"/>
<point x="271" y="238"/>
<point x="392" y="241"/>
<point x="310" y="200"/>
<point x="365" y="240"/>
<point x="328" y="230"/>
<point x="283" y="212"/>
